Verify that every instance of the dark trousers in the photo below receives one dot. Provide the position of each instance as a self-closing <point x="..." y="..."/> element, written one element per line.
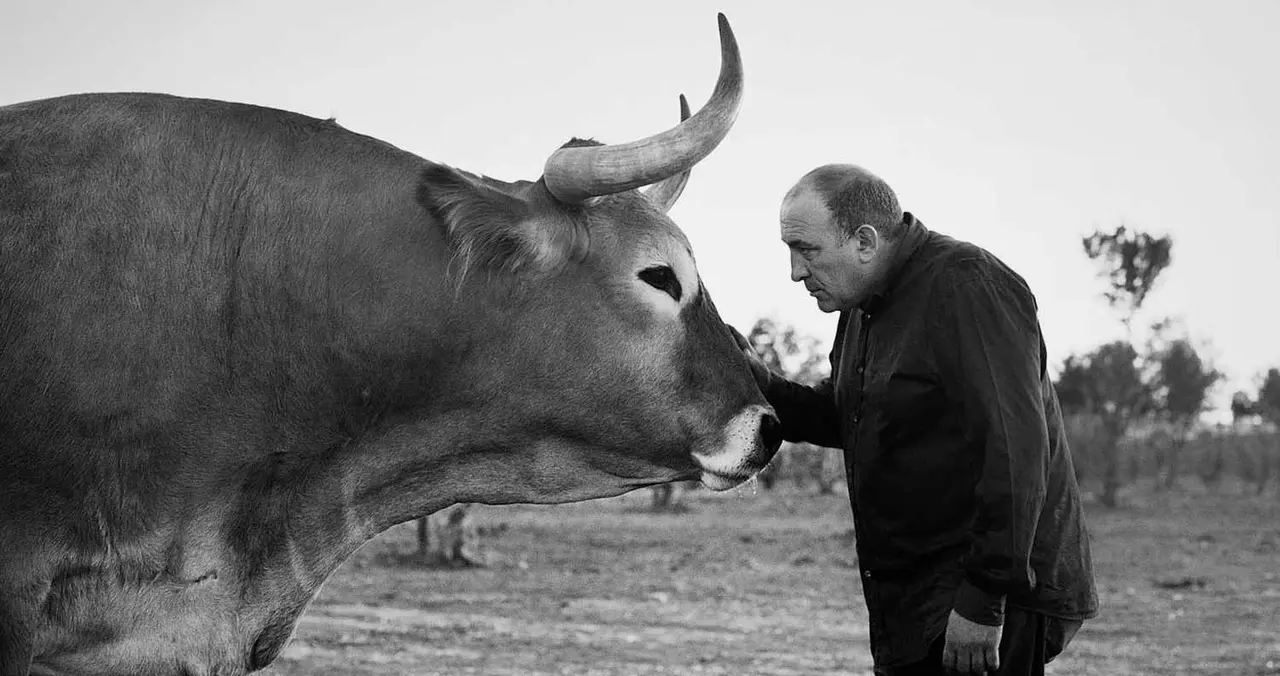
<point x="1028" y="642"/>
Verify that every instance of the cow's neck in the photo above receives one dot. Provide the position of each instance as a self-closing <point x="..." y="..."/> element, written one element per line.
<point x="290" y="536"/>
<point x="308" y="528"/>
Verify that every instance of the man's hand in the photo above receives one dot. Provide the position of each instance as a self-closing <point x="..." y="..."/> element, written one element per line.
<point x="971" y="648"/>
<point x="758" y="368"/>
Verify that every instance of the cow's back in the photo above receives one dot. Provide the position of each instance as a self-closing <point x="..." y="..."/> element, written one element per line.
<point x="179" y="282"/>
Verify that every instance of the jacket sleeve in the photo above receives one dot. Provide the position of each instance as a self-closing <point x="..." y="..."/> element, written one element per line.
<point x="991" y="362"/>
<point x="809" y="414"/>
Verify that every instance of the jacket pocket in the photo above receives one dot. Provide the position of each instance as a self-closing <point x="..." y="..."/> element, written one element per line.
<point x="910" y="406"/>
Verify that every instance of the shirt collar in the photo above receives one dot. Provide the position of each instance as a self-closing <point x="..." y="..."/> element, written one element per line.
<point x="913" y="235"/>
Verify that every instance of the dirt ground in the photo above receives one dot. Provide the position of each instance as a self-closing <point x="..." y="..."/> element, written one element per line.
<point x="756" y="582"/>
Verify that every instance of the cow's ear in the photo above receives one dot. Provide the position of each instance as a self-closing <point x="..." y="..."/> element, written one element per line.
<point x="489" y="228"/>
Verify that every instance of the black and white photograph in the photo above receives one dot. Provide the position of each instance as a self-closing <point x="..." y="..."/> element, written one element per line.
<point x="569" y="338"/>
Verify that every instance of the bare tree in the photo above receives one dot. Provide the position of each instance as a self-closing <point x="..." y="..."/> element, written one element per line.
<point x="1131" y="261"/>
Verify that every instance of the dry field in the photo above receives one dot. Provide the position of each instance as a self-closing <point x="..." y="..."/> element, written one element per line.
<point x="756" y="582"/>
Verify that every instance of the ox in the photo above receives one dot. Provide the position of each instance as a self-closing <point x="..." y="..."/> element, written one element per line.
<point x="236" y="343"/>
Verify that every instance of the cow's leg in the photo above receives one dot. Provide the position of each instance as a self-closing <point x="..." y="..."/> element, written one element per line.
<point x="18" y="613"/>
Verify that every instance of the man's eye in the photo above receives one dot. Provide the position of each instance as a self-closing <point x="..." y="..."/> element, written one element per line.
<point x="662" y="278"/>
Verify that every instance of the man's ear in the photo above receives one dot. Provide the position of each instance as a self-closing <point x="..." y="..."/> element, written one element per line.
<point x="491" y="229"/>
<point x="866" y="239"/>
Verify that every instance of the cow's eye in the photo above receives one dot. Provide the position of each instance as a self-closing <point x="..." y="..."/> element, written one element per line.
<point x="662" y="278"/>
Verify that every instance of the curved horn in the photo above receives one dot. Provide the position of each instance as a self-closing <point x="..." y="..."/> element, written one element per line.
<point x="577" y="173"/>
<point x="665" y="193"/>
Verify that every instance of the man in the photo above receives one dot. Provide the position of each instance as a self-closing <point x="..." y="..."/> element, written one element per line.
<point x="970" y="533"/>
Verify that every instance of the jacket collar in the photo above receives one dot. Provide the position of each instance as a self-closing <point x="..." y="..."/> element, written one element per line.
<point x="914" y="235"/>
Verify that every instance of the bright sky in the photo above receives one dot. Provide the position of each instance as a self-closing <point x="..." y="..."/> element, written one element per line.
<point x="1018" y="125"/>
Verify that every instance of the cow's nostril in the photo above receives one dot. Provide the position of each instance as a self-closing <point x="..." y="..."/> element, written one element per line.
<point x="771" y="432"/>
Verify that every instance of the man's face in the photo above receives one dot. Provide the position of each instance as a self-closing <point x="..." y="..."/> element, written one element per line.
<point x="837" y="271"/>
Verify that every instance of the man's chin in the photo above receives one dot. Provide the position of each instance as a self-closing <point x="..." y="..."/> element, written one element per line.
<point x="827" y="305"/>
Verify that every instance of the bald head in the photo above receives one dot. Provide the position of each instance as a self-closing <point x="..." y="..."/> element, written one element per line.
<point x="855" y="197"/>
<point x="841" y="224"/>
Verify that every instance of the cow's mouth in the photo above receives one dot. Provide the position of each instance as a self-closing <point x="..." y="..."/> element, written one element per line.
<point x="722" y="482"/>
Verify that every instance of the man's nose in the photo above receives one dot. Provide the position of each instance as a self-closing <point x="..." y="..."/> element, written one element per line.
<point x="798" y="269"/>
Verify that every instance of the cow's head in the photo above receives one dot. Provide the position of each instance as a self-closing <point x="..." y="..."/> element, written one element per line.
<point x="602" y="353"/>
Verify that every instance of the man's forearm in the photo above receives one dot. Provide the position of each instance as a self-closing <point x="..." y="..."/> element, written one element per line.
<point x="808" y="414"/>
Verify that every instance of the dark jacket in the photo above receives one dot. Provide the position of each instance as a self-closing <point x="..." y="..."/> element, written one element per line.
<point x="960" y="477"/>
